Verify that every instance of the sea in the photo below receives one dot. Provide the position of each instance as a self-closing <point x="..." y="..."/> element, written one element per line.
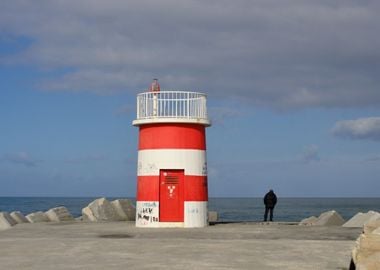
<point x="229" y="209"/>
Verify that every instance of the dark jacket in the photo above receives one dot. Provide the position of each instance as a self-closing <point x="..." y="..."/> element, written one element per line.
<point x="270" y="199"/>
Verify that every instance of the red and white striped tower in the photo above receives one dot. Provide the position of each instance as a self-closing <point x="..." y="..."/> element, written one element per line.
<point x="172" y="167"/>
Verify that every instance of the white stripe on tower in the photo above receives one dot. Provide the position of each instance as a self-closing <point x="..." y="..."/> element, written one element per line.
<point x="151" y="161"/>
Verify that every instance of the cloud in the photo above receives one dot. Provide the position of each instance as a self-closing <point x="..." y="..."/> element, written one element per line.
<point x="373" y="159"/>
<point x="219" y="115"/>
<point x="359" y="129"/>
<point x="310" y="154"/>
<point x="282" y="55"/>
<point x="126" y="109"/>
<point x="21" y="158"/>
<point x="85" y="159"/>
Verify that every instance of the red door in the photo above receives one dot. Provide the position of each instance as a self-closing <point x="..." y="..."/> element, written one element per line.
<point x="171" y="195"/>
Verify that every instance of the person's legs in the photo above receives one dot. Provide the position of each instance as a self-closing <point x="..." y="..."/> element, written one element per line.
<point x="266" y="213"/>
<point x="271" y="214"/>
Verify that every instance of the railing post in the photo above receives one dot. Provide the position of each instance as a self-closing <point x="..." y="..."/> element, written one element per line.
<point x="138" y="106"/>
<point x="188" y="105"/>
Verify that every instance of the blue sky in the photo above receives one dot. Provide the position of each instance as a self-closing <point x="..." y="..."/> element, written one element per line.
<point x="293" y="93"/>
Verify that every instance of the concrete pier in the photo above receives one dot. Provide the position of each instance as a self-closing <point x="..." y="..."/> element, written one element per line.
<point x="120" y="245"/>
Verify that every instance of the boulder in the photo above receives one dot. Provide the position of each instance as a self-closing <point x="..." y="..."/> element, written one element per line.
<point x="360" y="219"/>
<point x="369" y="243"/>
<point x="6" y="221"/>
<point x="372" y="227"/>
<point x="308" y="221"/>
<point x="372" y="262"/>
<point x="87" y="214"/>
<point x="59" y="214"/>
<point x="37" y="217"/>
<point x="366" y="254"/>
<point x="100" y="210"/>
<point x="19" y="217"/>
<point x="125" y="209"/>
<point x="213" y="216"/>
<point x="376" y="231"/>
<point x="366" y="246"/>
<point x="330" y="218"/>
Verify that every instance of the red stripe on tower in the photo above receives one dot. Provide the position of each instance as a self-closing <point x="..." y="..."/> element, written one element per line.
<point x="169" y="136"/>
<point x="172" y="168"/>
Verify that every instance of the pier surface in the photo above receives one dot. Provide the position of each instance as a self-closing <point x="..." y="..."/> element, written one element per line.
<point x="120" y="245"/>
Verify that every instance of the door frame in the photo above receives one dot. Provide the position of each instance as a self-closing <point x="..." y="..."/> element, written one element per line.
<point x="163" y="201"/>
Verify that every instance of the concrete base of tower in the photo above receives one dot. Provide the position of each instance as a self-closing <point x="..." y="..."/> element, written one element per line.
<point x="171" y="225"/>
<point x="196" y="214"/>
<point x="148" y="213"/>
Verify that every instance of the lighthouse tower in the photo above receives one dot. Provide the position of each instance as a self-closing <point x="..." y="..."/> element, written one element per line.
<point x="171" y="166"/>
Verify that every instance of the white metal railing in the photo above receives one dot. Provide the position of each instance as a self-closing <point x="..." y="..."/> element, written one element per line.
<point x="171" y="104"/>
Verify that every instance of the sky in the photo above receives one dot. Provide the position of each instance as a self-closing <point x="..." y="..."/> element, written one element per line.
<point x="293" y="93"/>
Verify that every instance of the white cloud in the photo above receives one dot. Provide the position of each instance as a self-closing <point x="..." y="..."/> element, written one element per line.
<point x="21" y="158"/>
<point x="362" y="128"/>
<point x="286" y="54"/>
<point x="311" y="154"/>
<point x="373" y="159"/>
<point x="126" y="109"/>
<point x="85" y="159"/>
<point x="220" y="114"/>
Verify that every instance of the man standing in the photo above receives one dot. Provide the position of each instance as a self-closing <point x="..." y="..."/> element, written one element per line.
<point x="270" y="200"/>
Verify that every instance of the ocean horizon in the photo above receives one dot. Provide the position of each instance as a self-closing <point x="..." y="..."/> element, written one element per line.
<point x="230" y="209"/>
